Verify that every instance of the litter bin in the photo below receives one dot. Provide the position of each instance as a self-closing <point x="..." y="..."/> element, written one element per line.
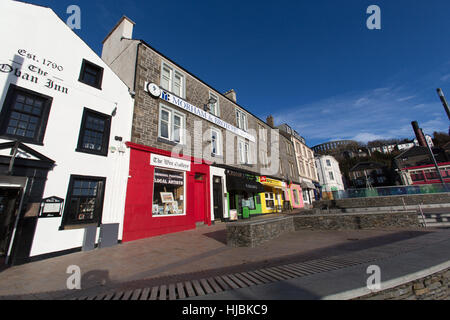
<point x="245" y="213"/>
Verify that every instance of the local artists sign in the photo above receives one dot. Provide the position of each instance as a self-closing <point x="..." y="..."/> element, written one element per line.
<point x="164" y="95"/>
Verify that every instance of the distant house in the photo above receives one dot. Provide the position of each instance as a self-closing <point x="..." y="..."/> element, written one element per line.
<point x="329" y="174"/>
<point x="369" y="174"/>
<point x="416" y="167"/>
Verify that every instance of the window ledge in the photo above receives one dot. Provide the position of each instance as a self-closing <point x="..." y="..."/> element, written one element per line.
<point x="77" y="226"/>
<point x="94" y="153"/>
<point x="163" y="140"/>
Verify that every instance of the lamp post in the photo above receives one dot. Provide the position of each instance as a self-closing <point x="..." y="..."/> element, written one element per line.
<point x="435" y="162"/>
<point x="211" y="101"/>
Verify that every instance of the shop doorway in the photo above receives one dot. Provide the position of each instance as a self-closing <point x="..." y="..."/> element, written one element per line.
<point x="217" y="198"/>
<point x="199" y="196"/>
<point x="9" y="202"/>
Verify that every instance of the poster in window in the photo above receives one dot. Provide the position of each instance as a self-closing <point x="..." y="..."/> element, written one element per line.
<point x="166" y="197"/>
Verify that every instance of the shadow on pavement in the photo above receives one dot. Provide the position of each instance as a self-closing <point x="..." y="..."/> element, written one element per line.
<point x="97" y="282"/>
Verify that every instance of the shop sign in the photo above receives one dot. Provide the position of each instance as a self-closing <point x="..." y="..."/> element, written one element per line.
<point x="168" y="177"/>
<point x="164" y="95"/>
<point x="51" y="206"/>
<point x="272" y="182"/>
<point x="171" y="163"/>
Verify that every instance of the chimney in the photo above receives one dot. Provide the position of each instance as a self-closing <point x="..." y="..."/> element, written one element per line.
<point x="419" y="134"/>
<point x="231" y="95"/>
<point x="269" y="121"/>
<point x="113" y="44"/>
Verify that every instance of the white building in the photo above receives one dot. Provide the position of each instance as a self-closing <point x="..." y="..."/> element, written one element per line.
<point x="329" y="174"/>
<point x="65" y="117"/>
<point x="429" y="140"/>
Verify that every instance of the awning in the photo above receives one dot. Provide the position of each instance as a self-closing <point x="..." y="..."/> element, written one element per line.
<point x="243" y="184"/>
<point x="307" y="185"/>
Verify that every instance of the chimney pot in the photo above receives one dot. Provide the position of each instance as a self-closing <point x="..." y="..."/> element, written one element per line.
<point x="269" y="121"/>
<point x="231" y="95"/>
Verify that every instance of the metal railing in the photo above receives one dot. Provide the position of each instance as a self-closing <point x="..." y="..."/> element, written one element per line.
<point x="389" y="191"/>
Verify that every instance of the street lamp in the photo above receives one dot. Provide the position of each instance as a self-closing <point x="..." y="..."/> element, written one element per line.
<point x="211" y="101"/>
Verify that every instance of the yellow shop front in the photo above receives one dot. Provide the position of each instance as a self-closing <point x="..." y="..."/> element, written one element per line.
<point x="273" y="197"/>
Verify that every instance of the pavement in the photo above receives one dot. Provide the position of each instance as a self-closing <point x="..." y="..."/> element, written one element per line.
<point x="412" y="259"/>
<point x="184" y="256"/>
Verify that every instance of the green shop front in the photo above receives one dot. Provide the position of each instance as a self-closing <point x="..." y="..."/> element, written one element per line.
<point x="244" y="197"/>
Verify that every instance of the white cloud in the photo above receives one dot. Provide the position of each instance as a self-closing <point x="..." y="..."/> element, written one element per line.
<point x="381" y="113"/>
<point x="366" y="137"/>
<point x="405" y="98"/>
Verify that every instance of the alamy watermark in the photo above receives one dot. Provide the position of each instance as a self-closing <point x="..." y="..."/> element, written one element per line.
<point x="374" y="280"/>
<point x="74" y="280"/>
<point x="374" y="20"/>
<point x="74" y="20"/>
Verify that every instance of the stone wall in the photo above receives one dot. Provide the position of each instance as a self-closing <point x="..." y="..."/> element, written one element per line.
<point x="435" y="198"/>
<point x="254" y="233"/>
<point x="433" y="287"/>
<point x="355" y="221"/>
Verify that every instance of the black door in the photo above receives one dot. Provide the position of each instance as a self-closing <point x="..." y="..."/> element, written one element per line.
<point x="9" y="199"/>
<point x="217" y="198"/>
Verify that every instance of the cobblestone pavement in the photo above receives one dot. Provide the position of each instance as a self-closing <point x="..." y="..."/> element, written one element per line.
<point x="179" y="257"/>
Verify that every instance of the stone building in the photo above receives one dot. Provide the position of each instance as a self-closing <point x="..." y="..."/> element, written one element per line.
<point x="308" y="179"/>
<point x="196" y="154"/>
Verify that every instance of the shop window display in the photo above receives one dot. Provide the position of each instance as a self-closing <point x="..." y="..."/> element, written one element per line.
<point x="168" y="193"/>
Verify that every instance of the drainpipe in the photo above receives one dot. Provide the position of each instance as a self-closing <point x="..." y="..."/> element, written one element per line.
<point x="13" y="158"/>
<point x="136" y="66"/>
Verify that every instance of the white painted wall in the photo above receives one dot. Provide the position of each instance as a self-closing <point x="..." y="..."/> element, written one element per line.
<point x="323" y="172"/>
<point x="213" y="171"/>
<point x="41" y="33"/>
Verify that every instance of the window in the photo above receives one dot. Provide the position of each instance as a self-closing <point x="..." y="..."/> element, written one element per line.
<point x="168" y="193"/>
<point x="291" y="167"/>
<point x="91" y="74"/>
<point x="84" y="201"/>
<point x="288" y="148"/>
<point x="214" y="107"/>
<point x="328" y="163"/>
<point x="296" y="197"/>
<point x="24" y="115"/>
<point x="172" y="80"/>
<point x="171" y="125"/>
<point x="264" y="158"/>
<point x="331" y="175"/>
<point x="94" y="133"/>
<point x="262" y="133"/>
<point x="270" y="200"/>
<point x="216" y="142"/>
<point x="248" y="202"/>
<point x="241" y="120"/>
<point x="244" y="152"/>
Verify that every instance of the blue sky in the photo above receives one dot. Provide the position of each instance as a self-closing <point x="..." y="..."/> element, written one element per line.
<point x="310" y="63"/>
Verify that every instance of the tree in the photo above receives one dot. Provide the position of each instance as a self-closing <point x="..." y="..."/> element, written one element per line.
<point x="440" y="138"/>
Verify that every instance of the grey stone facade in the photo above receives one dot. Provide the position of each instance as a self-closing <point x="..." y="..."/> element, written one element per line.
<point x="146" y="120"/>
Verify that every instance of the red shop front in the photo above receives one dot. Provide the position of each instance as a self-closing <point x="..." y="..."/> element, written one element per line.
<point x="165" y="194"/>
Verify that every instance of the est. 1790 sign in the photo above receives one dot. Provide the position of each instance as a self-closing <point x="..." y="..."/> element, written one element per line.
<point x="30" y="67"/>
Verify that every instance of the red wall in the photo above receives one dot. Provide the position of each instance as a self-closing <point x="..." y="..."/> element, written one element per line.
<point x="138" y="220"/>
